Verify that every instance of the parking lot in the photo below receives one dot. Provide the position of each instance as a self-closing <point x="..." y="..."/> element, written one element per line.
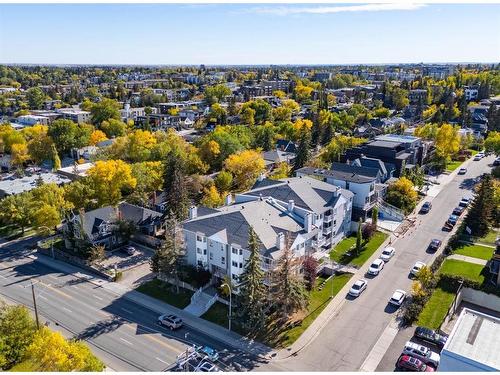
<point x="122" y="261"/>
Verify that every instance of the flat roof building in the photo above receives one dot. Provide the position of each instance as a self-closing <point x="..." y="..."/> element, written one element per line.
<point x="473" y="345"/>
<point x="27" y="183"/>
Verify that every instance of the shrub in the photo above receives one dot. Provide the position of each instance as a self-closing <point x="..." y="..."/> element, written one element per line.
<point x="118" y="276"/>
<point x="369" y="231"/>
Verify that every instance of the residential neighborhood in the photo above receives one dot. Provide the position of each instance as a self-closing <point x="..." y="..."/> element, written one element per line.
<point x="204" y="217"/>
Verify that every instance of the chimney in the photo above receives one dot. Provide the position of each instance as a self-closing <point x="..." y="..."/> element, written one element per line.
<point x="280" y="241"/>
<point x="228" y="200"/>
<point x="291" y="205"/>
<point x="261" y="177"/>
<point x="308" y="221"/>
<point x="193" y="212"/>
<point x="336" y="193"/>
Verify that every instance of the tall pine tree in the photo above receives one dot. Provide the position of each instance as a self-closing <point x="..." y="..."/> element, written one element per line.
<point x="252" y="295"/>
<point x="303" y="151"/>
<point x="174" y="185"/>
<point x="479" y="217"/>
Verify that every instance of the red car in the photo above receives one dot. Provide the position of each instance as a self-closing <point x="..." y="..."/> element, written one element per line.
<point x="409" y="363"/>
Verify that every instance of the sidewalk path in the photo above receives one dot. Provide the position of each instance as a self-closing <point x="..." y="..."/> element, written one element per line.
<point x="229" y="338"/>
<point x="468" y="259"/>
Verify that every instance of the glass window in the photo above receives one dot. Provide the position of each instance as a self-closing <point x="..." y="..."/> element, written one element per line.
<point x="211" y="256"/>
<point x="234" y="264"/>
<point x="223" y="260"/>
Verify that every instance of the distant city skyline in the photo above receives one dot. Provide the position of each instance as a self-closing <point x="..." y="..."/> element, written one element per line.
<point x="248" y="34"/>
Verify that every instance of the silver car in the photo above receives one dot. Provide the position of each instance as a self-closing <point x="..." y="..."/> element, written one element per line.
<point x="358" y="288"/>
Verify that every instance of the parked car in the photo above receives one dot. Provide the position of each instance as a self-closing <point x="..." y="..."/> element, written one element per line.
<point x="358" y="287"/>
<point x="423" y="353"/>
<point x="130" y="250"/>
<point x="417" y="267"/>
<point x="206" y="366"/>
<point x="457" y="211"/>
<point x="409" y="363"/>
<point x="376" y="267"/>
<point x="208" y="353"/>
<point x="496" y="162"/>
<point x="435" y="244"/>
<point x="452" y="219"/>
<point x="464" y="202"/>
<point x="426" y="207"/>
<point x="479" y="156"/>
<point x="387" y="253"/>
<point x="170" y="321"/>
<point x="462" y="171"/>
<point x="398" y="297"/>
<point x="431" y="336"/>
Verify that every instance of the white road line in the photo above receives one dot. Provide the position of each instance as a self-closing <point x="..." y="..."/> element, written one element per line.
<point x="99" y="298"/>
<point x="68" y="310"/>
<point x="42" y="297"/>
<point x="161" y="360"/>
<point x="2" y="276"/>
<point x="127" y="311"/>
<point x="125" y="341"/>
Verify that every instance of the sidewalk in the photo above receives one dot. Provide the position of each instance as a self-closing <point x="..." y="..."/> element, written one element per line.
<point x="229" y="338"/>
<point x="465" y="258"/>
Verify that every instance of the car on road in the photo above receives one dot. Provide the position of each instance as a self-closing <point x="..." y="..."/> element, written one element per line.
<point x="452" y="220"/>
<point x="479" y="156"/>
<point x="170" y="321"/>
<point x="431" y="336"/>
<point x="426" y="207"/>
<point x="398" y="297"/>
<point x="208" y="353"/>
<point x="387" y="253"/>
<point x="130" y="250"/>
<point x="206" y="366"/>
<point x="435" y="244"/>
<point x="462" y="171"/>
<point x="464" y="202"/>
<point x="496" y="162"/>
<point x="376" y="267"/>
<point x="457" y="211"/>
<point x="358" y="287"/>
<point x="416" y="268"/>
<point x="409" y="363"/>
<point x="423" y="353"/>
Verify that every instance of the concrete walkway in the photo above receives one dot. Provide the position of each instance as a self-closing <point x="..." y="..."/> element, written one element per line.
<point x="465" y="258"/>
<point x="229" y="338"/>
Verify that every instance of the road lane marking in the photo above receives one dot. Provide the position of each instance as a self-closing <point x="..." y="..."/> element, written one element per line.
<point x="68" y="310"/>
<point x="56" y="290"/>
<point x="99" y="298"/>
<point x="127" y="311"/>
<point x="125" y="341"/>
<point x="42" y="297"/>
<point x="161" y="360"/>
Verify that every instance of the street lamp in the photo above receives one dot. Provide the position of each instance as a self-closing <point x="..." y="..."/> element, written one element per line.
<point x="34" y="304"/>
<point x="230" y="304"/>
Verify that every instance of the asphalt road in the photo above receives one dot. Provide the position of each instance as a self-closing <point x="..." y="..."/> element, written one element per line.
<point x="346" y="341"/>
<point x="122" y="333"/>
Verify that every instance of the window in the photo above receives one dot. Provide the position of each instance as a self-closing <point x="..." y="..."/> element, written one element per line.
<point x="234" y="250"/>
<point x="241" y="265"/>
<point x="235" y="277"/>
<point x="241" y="251"/>
<point x="347" y="185"/>
<point x="234" y="264"/>
<point x="204" y="251"/>
<point x="199" y="238"/>
<point x="211" y="256"/>
<point x="200" y="264"/>
<point x="198" y="250"/>
<point x="223" y="260"/>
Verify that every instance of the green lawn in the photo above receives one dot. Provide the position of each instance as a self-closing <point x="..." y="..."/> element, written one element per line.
<point x="467" y="270"/>
<point x="475" y="251"/>
<point x="318" y="301"/>
<point x="345" y="253"/>
<point x="11" y="231"/>
<point x="436" y="308"/>
<point x="166" y="293"/>
<point x="452" y="165"/>
<point x="490" y="238"/>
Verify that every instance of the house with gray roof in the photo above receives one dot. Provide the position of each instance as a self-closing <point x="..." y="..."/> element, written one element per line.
<point x="13" y="186"/>
<point x="309" y="214"/>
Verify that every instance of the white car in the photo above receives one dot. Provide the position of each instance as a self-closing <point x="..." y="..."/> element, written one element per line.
<point x="376" y="267"/>
<point x="423" y="353"/>
<point x="398" y="297"/>
<point x="417" y="267"/>
<point x="387" y="253"/>
<point x="478" y="156"/>
<point x="358" y="288"/>
<point x="206" y="366"/>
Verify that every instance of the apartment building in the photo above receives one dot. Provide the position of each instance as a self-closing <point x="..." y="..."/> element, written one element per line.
<point x="312" y="214"/>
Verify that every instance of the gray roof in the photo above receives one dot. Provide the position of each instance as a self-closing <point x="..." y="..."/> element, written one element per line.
<point x="141" y="216"/>
<point x="27" y="183"/>
<point x="384" y="144"/>
<point x="372" y="163"/>
<point x="276" y="156"/>
<point x="338" y="175"/>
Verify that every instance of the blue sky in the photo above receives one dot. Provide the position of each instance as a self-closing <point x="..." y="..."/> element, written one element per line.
<point x="248" y="33"/>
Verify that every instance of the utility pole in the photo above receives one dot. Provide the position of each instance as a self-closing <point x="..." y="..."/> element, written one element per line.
<point x="34" y="305"/>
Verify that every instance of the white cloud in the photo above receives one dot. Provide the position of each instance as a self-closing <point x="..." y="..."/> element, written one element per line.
<point x="287" y="10"/>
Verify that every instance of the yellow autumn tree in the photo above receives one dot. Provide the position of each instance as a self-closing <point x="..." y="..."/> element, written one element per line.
<point x="245" y="166"/>
<point x="212" y="198"/>
<point x="300" y="125"/>
<point x="447" y="141"/>
<point x="109" y="178"/>
<point x="19" y="154"/>
<point x="97" y="136"/>
<point x="303" y="92"/>
<point x="50" y="351"/>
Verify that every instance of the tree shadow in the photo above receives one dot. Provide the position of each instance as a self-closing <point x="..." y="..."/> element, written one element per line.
<point x="102" y="327"/>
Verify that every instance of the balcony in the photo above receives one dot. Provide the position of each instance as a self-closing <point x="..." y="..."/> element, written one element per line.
<point x="327" y="230"/>
<point x="328" y="218"/>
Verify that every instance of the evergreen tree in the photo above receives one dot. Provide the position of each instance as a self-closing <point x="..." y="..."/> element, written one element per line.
<point x="303" y="151"/>
<point x="168" y="258"/>
<point x="479" y="217"/>
<point x="252" y="295"/>
<point x="359" y="237"/>
<point x="289" y="294"/>
<point x="374" y="216"/>
<point x="176" y="191"/>
<point x="55" y="158"/>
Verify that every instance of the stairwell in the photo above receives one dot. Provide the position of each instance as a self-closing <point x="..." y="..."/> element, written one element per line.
<point x="389" y="211"/>
<point x="200" y="303"/>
